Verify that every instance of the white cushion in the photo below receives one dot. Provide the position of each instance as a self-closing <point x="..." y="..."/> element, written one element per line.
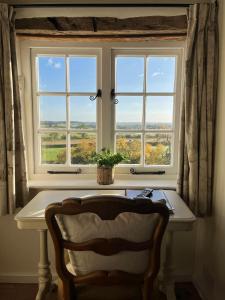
<point x="130" y="226"/>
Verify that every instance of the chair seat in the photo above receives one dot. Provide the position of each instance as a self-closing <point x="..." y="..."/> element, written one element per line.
<point x="115" y="292"/>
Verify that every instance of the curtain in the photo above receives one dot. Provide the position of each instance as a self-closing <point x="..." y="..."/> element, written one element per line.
<point x="13" y="179"/>
<point x="198" y="109"/>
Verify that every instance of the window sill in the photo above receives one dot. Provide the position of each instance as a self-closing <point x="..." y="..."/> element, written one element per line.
<point x="119" y="183"/>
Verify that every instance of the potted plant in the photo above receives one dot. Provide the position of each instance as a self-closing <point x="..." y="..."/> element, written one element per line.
<point x="106" y="160"/>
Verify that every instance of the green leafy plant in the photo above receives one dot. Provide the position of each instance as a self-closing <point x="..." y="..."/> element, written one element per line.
<point x="106" y="158"/>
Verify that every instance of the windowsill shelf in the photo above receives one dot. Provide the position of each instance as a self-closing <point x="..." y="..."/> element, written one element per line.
<point x="92" y="184"/>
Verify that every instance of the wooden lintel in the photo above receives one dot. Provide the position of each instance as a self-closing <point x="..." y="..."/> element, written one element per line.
<point x="102" y="25"/>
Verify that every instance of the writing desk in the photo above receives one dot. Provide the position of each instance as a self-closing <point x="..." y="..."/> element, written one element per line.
<point x="32" y="217"/>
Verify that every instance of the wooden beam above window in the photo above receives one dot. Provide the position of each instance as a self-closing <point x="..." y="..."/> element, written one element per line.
<point x="103" y="26"/>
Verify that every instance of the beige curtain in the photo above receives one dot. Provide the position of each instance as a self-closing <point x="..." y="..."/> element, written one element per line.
<point x="198" y="109"/>
<point x="13" y="183"/>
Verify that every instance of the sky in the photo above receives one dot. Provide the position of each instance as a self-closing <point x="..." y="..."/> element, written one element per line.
<point x="129" y="78"/>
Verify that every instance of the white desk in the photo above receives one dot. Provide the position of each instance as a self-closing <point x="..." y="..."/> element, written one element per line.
<point x="32" y="217"/>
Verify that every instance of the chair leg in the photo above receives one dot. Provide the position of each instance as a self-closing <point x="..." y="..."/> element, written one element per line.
<point x="147" y="291"/>
<point x="66" y="290"/>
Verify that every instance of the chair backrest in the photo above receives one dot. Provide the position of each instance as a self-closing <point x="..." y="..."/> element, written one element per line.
<point x="110" y="239"/>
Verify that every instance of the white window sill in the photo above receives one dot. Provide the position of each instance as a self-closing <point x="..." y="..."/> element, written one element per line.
<point x="120" y="182"/>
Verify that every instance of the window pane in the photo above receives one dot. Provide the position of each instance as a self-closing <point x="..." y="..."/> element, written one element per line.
<point x="130" y="145"/>
<point x="161" y="74"/>
<point x="159" y="112"/>
<point x="129" y="112"/>
<point x="53" y="148"/>
<point x="52" y="74"/>
<point x="82" y="74"/>
<point x="52" y="111"/>
<point x="158" y="148"/>
<point x="82" y="113"/>
<point x="129" y="74"/>
<point x="83" y="146"/>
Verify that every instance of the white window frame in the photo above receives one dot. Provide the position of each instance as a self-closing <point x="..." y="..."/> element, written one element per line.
<point x="172" y="168"/>
<point x="106" y="108"/>
<point x="35" y="52"/>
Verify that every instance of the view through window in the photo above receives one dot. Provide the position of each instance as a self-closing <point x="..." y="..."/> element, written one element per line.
<point x="68" y="126"/>
<point x="67" y="117"/>
<point x="145" y="90"/>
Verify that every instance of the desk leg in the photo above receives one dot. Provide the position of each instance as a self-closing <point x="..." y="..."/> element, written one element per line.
<point x="44" y="273"/>
<point x="168" y="284"/>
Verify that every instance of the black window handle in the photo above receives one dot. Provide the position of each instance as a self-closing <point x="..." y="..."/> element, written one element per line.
<point x="113" y="97"/>
<point x="98" y="95"/>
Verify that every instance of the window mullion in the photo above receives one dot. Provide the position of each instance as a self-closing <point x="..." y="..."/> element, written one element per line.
<point x="108" y="113"/>
<point x="144" y="111"/>
<point x="68" y="151"/>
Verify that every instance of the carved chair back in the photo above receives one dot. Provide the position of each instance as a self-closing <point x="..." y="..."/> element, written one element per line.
<point x="69" y="228"/>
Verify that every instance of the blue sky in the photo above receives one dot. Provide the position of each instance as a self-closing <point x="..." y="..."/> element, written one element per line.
<point x="129" y="78"/>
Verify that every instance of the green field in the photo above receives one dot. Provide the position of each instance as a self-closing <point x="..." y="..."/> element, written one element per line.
<point x="50" y="154"/>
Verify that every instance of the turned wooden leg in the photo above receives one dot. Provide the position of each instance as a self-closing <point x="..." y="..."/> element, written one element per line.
<point x="44" y="273"/>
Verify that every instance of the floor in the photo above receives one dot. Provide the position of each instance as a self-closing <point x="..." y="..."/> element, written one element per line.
<point x="13" y="291"/>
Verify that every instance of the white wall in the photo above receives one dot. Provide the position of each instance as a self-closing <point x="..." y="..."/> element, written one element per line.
<point x="210" y="258"/>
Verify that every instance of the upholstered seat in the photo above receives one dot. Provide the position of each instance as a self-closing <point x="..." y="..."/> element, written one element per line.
<point x="113" y="245"/>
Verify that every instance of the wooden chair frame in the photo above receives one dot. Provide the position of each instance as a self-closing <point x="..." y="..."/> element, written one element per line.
<point x="107" y="208"/>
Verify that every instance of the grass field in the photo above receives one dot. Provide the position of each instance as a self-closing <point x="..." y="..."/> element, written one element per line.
<point x="50" y="154"/>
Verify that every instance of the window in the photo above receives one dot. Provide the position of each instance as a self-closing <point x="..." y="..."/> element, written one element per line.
<point x="66" y="126"/>
<point x="144" y="116"/>
<point x="138" y="113"/>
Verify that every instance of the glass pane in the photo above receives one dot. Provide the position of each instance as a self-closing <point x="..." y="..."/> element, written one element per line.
<point x="129" y="112"/>
<point x="158" y="148"/>
<point x="129" y="144"/>
<point x="82" y="113"/>
<point x="52" y="74"/>
<point x="82" y="74"/>
<point x="52" y="111"/>
<point x="53" y="148"/>
<point x="129" y="74"/>
<point x="83" y="146"/>
<point x="161" y="74"/>
<point x="159" y="112"/>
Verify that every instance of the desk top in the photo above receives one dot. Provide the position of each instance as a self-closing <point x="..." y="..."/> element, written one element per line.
<point x="32" y="215"/>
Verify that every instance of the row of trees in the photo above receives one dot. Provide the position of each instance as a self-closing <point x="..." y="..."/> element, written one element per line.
<point x="157" y="152"/>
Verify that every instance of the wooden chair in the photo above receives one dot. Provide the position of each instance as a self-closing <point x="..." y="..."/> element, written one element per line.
<point x="72" y="232"/>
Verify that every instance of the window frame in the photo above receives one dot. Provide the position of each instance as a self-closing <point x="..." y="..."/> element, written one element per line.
<point x="178" y="53"/>
<point x="43" y="168"/>
<point x="105" y="107"/>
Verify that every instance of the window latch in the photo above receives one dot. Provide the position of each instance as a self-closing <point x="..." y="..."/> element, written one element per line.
<point x="135" y="172"/>
<point x="98" y="95"/>
<point x="113" y="97"/>
<point x="78" y="171"/>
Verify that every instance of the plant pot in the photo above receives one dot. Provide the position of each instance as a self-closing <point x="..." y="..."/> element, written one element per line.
<point x="105" y="175"/>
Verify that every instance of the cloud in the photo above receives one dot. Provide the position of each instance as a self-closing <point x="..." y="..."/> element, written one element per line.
<point x="156" y="74"/>
<point x="56" y="65"/>
<point x="50" y="61"/>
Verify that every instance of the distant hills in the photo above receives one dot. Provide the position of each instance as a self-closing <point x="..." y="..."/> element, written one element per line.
<point x="92" y="125"/>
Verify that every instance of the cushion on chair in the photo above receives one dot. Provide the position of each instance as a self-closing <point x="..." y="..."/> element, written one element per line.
<point x="131" y="226"/>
